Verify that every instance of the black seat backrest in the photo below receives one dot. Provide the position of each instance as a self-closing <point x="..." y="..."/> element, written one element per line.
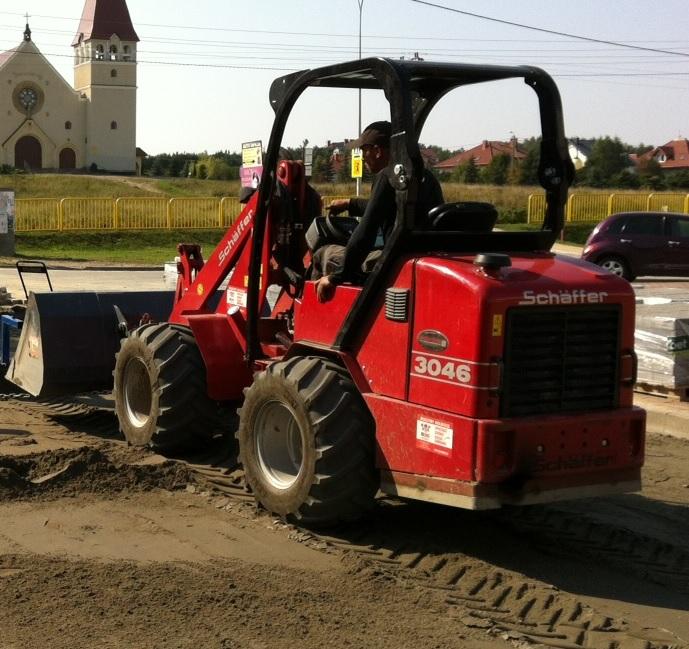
<point x="463" y="216"/>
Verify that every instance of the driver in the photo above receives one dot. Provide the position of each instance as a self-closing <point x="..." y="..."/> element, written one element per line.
<point x="335" y="264"/>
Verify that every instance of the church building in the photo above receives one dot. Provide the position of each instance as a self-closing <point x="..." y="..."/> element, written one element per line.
<point x="45" y="123"/>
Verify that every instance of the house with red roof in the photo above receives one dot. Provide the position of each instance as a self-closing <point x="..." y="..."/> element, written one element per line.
<point x="673" y="156"/>
<point x="482" y="155"/>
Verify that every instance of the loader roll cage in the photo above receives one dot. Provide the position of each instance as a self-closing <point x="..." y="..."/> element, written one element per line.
<point x="412" y="89"/>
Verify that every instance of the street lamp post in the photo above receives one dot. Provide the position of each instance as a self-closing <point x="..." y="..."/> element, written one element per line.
<point x="361" y="6"/>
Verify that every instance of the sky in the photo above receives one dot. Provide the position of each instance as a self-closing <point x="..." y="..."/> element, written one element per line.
<point x="205" y="67"/>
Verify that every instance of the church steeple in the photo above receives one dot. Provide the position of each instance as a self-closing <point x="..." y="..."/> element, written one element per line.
<point x="27" y="31"/>
<point x="103" y="18"/>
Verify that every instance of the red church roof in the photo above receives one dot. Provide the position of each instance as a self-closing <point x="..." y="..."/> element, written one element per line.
<point x="5" y="56"/>
<point x="103" y="18"/>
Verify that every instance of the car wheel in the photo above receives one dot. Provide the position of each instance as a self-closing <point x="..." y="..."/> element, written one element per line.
<point x="617" y="266"/>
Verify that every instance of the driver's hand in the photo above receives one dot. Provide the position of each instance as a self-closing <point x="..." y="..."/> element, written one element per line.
<point x="325" y="289"/>
<point x="338" y="206"/>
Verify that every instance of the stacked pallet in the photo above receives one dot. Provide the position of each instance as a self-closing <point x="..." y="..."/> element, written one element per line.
<point x="662" y="346"/>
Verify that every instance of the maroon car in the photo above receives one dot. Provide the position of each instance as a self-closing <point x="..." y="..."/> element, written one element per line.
<point x="630" y="244"/>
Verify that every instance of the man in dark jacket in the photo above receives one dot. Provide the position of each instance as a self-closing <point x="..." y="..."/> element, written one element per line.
<point x="339" y="264"/>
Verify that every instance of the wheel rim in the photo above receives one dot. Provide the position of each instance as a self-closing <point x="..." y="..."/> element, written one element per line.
<point x="137" y="392"/>
<point x="278" y="444"/>
<point x="614" y="266"/>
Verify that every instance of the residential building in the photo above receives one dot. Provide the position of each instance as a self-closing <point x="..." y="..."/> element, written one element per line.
<point x="673" y="156"/>
<point x="483" y="154"/>
<point x="579" y="151"/>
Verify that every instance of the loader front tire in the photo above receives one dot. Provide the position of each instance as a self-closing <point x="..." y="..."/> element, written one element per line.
<point x="160" y="390"/>
<point x="306" y="442"/>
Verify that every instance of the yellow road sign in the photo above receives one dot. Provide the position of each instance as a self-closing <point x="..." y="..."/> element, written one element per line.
<point x="357" y="164"/>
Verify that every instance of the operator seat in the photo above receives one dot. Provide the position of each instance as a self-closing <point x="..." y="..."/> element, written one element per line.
<point x="463" y="216"/>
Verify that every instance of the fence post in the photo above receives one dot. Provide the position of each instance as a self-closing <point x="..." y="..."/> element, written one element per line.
<point x="610" y="199"/>
<point x="569" y="210"/>
<point x="222" y="213"/>
<point x="686" y="204"/>
<point x="61" y="215"/>
<point x="168" y="215"/>
<point x="648" y="202"/>
<point x="116" y="216"/>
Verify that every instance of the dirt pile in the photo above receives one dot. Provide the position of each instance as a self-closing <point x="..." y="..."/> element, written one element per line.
<point x="85" y="470"/>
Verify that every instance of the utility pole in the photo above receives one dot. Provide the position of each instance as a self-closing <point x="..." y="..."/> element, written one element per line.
<point x="361" y="6"/>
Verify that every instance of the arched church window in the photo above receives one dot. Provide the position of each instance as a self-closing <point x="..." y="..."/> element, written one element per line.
<point x="126" y="52"/>
<point x="100" y="53"/>
<point x="113" y="126"/>
<point x="68" y="126"/>
<point x="113" y="73"/>
<point x="113" y="52"/>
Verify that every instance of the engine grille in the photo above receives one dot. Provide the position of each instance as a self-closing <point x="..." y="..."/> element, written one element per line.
<point x="560" y="359"/>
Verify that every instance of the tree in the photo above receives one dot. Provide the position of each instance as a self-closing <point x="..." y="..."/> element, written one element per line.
<point x="441" y="154"/>
<point x="495" y="173"/>
<point x="467" y="173"/>
<point x="175" y="166"/>
<point x="651" y="174"/>
<point x="322" y="167"/>
<point x="528" y="169"/>
<point x="677" y="179"/>
<point x="157" y="168"/>
<point x="608" y="158"/>
<point x="626" y="180"/>
<point x="345" y="173"/>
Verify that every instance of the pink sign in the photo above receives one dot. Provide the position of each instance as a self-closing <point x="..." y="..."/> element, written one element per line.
<point x="250" y="176"/>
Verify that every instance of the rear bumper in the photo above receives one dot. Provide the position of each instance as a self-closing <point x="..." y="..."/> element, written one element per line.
<point x="472" y="495"/>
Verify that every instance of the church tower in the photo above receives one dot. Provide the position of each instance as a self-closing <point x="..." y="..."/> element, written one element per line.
<point x="105" y="74"/>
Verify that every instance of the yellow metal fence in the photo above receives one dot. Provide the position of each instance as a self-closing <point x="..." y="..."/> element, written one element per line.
<point x="71" y="214"/>
<point x="593" y="207"/>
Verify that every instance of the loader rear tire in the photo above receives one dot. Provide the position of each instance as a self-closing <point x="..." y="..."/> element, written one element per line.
<point x="307" y="444"/>
<point x="160" y="390"/>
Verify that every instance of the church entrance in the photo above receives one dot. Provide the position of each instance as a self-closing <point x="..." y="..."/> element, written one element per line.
<point x="68" y="159"/>
<point x="28" y="153"/>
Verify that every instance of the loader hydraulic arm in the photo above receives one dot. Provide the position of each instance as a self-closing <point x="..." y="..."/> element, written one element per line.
<point x="194" y="293"/>
<point x="281" y="252"/>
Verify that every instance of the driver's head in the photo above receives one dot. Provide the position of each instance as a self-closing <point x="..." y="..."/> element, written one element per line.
<point x="374" y="143"/>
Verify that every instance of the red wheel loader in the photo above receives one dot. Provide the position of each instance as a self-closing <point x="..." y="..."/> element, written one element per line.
<point x="471" y="367"/>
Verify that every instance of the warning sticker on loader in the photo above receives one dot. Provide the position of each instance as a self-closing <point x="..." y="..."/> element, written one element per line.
<point x="236" y="297"/>
<point x="434" y="436"/>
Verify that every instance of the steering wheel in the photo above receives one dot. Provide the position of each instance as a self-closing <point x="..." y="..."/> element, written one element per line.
<point x="339" y="228"/>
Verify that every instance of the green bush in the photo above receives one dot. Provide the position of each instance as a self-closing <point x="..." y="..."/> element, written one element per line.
<point x="578" y="233"/>
<point x="512" y="215"/>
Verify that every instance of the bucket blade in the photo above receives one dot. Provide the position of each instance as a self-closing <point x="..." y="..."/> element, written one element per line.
<point x="69" y="340"/>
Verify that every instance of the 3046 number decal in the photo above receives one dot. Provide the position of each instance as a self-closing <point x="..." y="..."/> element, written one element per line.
<point x="443" y="369"/>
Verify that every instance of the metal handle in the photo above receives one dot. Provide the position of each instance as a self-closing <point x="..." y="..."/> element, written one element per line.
<point x="673" y="244"/>
<point x="625" y="240"/>
<point x="32" y="266"/>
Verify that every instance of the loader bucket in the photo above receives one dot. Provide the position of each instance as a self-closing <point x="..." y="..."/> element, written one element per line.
<point x="69" y="340"/>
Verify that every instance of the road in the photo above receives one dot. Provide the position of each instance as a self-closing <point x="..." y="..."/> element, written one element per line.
<point x="104" y="545"/>
<point x="87" y="280"/>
